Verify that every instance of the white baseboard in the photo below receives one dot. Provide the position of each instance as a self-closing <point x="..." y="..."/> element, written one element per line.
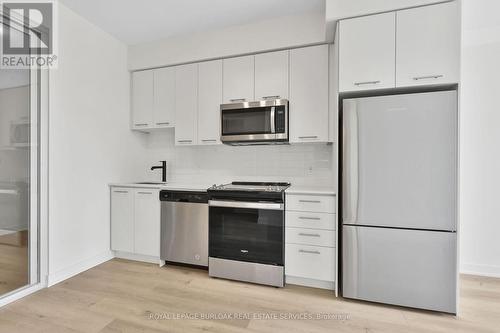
<point x="481" y="270"/>
<point x="16" y="295"/>
<point x="310" y="282"/>
<point x="137" y="257"/>
<point x="78" y="267"/>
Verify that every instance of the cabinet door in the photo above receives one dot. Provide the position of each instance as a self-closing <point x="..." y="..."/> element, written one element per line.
<point x="271" y="75"/>
<point x="309" y="94"/>
<point x="147" y="222"/>
<point x="428" y="45"/>
<point x="142" y="99"/>
<point x="186" y="104"/>
<point x="122" y="219"/>
<point x="238" y="79"/>
<point x="164" y="97"/>
<point x="209" y="100"/>
<point x="367" y="52"/>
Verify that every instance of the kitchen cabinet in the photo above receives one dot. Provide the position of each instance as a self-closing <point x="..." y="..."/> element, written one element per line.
<point x="186" y="104"/>
<point x="271" y="75"/>
<point x="310" y="240"/>
<point x="209" y="100"/>
<point x="238" y="79"/>
<point x="367" y="52"/>
<point x="428" y="45"/>
<point x="135" y="222"/>
<point x="164" y="97"/>
<point x="147" y="222"/>
<point x="309" y="112"/>
<point x="142" y="99"/>
<point x="122" y="219"/>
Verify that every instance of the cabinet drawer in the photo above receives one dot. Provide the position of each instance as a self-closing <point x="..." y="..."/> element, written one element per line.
<point x="310" y="237"/>
<point x="311" y="262"/>
<point x="310" y="203"/>
<point x="325" y="221"/>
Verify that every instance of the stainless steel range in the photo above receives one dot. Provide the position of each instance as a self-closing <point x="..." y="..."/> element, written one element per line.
<point x="246" y="232"/>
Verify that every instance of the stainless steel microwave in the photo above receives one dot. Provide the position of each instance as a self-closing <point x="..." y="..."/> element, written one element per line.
<point x="261" y="122"/>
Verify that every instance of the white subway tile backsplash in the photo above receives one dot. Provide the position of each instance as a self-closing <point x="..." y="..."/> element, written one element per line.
<point x="306" y="164"/>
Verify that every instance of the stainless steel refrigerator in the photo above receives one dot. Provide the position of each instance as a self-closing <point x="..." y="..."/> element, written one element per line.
<point x="399" y="199"/>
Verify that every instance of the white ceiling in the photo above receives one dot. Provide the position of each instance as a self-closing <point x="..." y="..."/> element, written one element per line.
<point x="133" y="21"/>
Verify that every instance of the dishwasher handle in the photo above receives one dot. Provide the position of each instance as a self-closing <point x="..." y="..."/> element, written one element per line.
<point x="183" y="196"/>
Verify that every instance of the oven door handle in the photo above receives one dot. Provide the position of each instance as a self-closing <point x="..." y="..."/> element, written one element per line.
<point x="251" y="205"/>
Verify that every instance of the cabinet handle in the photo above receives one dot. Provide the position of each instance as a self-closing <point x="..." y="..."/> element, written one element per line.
<point x="208" y="140"/>
<point x="309" y="235"/>
<point x="311" y="252"/>
<point x="310" y="201"/>
<point x="237" y="100"/>
<point x="141" y="124"/>
<point x="120" y="191"/>
<point x="366" y="82"/>
<point x="144" y="193"/>
<point x="308" y="137"/>
<point x="271" y="97"/>
<point x="184" y="141"/>
<point x="167" y="123"/>
<point x="309" y="218"/>
<point x="417" y="78"/>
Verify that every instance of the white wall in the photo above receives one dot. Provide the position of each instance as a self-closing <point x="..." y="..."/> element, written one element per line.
<point x="304" y="164"/>
<point x="480" y="138"/>
<point x="278" y="33"/>
<point x="90" y="143"/>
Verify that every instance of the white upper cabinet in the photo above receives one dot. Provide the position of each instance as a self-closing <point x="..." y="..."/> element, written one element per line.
<point x="271" y="75"/>
<point x="164" y="97"/>
<point x="238" y="79"/>
<point x="142" y="99"/>
<point x="147" y="222"/>
<point x="209" y="101"/>
<point x="186" y="104"/>
<point x="428" y="45"/>
<point x="367" y="52"/>
<point x="309" y="94"/>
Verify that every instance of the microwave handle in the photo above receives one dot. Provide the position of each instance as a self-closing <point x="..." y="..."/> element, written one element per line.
<point x="273" y="120"/>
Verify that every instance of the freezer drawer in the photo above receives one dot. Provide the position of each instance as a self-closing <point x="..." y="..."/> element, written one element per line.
<point x="402" y="267"/>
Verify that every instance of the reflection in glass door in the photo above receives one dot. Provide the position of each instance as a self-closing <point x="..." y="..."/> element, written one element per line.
<point x="18" y="179"/>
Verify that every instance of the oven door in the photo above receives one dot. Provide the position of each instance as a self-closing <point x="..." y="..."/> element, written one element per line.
<point x="254" y="121"/>
<point x="246" y="231"/>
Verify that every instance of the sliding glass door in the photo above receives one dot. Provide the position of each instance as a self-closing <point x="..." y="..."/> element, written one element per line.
<point x="19" y="181"/>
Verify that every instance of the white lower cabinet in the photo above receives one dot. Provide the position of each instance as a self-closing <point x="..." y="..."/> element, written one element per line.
<point x="310" y="240"/>
<point x="135" y="222"/>
<point x="122" y="219"/>
<point x="310" y="262"/>
<point x="147" y="222"/>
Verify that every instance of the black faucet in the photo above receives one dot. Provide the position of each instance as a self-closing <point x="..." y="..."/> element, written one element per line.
<point x="163" y="168"/>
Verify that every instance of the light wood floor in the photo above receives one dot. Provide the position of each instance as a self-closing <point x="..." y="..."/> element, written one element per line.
<point x="121" y="296"/>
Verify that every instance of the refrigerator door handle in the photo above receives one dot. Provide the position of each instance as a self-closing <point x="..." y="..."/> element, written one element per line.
<point x="350" y="179"/>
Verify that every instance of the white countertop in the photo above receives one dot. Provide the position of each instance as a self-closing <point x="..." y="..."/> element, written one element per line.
<point x="294" y="189"/>
<point x="165" y="186"/>
<point x="321" y="190"/>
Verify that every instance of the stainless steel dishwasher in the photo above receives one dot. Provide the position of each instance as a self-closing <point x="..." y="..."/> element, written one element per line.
<point x="184" y="227"/>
